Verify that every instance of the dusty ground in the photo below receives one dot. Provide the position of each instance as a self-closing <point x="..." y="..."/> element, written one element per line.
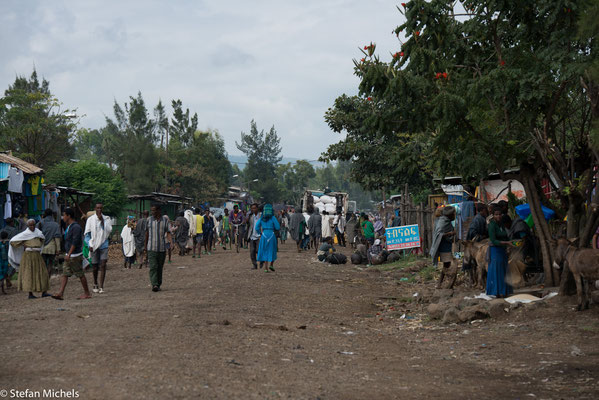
<point x="221" y="330"/>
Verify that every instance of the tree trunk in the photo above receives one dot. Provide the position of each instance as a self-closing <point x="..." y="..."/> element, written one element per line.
<point x="593" y="216"/>
<point x="541" y="226"/>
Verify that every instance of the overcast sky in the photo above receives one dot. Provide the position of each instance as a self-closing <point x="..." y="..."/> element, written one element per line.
<point x="279" y="62"/>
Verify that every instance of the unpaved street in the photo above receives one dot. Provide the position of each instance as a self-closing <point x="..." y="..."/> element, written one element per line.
<point x="221" y="330"/>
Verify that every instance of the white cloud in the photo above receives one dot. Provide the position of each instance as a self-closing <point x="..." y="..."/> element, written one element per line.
<point x="279" y="62"/>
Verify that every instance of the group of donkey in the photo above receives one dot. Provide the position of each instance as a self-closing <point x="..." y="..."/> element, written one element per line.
<point x="582" y="262"/>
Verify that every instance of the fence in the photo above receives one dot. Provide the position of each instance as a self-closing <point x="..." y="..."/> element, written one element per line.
<point x="421" y="215"/>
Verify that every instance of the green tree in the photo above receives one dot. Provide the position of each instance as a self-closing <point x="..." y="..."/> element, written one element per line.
<point x="263" y="151"/>
<point x="505" y="85"/>
<point x="130" y="145"/>
<point x="382" y="158"/>
<point x="32" y="123"/>
<point x="89" y="144"/>
<point x="183" y="127"/>
<point x="200" y="170"/>
<point x="94" y="177"/>
<point x="294" y="179"/>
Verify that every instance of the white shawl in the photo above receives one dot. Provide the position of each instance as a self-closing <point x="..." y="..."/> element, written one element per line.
<point x="326" y="226"/>
<point x="191" y="219"/>
<point x="128" y="241"/>
<point x="15" y="254"/>
<point x="98" y="235"/>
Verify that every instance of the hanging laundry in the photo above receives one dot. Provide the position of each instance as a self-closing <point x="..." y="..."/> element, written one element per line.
<point x="8" y="207"/>
<point x="34" y="182"/>
<point x="15" y="180"/>
<point x="4" y="167"/>
<point x="53" y="202"/>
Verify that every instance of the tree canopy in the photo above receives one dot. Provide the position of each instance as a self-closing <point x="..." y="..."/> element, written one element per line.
<point x="263" y="151"/>
<point x="32" y="123"/>
<point x="94" y="177"/>
<point x="477" y="88"/>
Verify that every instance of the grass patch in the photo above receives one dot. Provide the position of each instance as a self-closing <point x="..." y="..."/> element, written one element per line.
<point x="404" y="262"/>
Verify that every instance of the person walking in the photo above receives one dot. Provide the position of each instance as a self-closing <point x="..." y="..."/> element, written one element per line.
<point x="97" y="233"/>
<point x="182" y="232"/>
<point x="339" y="225"/>
<point x="296" y="227"/>
<point x="267" y="225"/>
<point x="284" y="226"/>
<point x="51" y="231"/>
<point x="139" y="233"/>
<point x="128" y="243"/>
<point x="73" y="261"/>
<point x="24" y="255"/>
<point x="199" y="233"/>
<point x="254" y="236"/>
<point x="237" y="219"/>
<point x="208" y="229"/>
<point x="315" y="228"/>
<point x="156" y="237"/>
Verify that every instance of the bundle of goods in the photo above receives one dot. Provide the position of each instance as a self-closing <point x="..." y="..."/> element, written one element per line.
<point x="325" y="203"/>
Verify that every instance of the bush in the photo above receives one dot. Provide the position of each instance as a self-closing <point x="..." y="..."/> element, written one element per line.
<point x="91" y="176"/>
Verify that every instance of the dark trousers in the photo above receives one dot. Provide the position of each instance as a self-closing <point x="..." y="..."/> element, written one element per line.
<point x="340" y="238"/>
<point x="156" y="259"/>
<point x="254" y="251"/>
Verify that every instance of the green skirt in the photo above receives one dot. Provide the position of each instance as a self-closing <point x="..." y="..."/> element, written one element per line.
<point x="33" y="275"/>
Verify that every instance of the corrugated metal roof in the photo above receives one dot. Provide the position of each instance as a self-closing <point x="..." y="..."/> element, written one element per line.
<point x="23" y="165"/>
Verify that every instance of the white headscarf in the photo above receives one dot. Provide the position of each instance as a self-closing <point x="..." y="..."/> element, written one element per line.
<point x="15" y="254"/>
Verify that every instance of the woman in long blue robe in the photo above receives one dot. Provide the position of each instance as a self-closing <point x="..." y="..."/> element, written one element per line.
<point x="496" y="284"/>
<point x="267" y="248"/>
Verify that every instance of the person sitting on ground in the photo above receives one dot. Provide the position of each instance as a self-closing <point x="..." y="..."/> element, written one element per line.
<point x="376" y="253"/>
<point x="326" y="253"/>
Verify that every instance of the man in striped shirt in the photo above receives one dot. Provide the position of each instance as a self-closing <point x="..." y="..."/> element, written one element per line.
<point x="156" y="235"/>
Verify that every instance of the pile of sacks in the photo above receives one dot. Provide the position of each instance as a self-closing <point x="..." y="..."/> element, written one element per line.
<point x="325" y="203"/>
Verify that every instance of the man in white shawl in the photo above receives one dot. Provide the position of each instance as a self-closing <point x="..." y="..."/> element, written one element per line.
<point x="24" y="254"/>
<point x="128" y="243"/>
<point x="97" y="233"/>
<point x="191" y="220"/>
<point x="327" y="230"/>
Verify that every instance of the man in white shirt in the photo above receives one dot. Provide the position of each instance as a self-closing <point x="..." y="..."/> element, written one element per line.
<point x="339" y="224"/>
<point x="97" y="233"/>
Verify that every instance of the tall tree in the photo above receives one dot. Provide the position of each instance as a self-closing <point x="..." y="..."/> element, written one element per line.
<point x="32" y="123"/>
<point x="294" y="179"/>
<point x="200" y="170"/>
<point x="130" y="138"/>
<point x="503" y="85"/>
<point x="183" y="127"/>
<point x="263" y="151"/>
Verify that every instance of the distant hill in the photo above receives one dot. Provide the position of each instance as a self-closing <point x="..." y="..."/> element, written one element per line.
<point x="241" y="160"/>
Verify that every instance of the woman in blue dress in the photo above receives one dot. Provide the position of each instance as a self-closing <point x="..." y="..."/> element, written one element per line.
<point x="496" y="285"/>
<point x="267" y="249"/>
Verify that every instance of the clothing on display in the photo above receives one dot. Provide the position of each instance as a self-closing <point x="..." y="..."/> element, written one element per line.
<point x="15" y="180"/>
<point x="4" y="167"/>
<point x="8" y="207"/>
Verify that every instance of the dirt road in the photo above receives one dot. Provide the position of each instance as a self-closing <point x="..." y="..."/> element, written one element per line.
<point x="221" y="330"/>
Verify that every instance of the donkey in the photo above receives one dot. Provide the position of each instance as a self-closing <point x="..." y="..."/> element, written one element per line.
<point x="584" y="264"/>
